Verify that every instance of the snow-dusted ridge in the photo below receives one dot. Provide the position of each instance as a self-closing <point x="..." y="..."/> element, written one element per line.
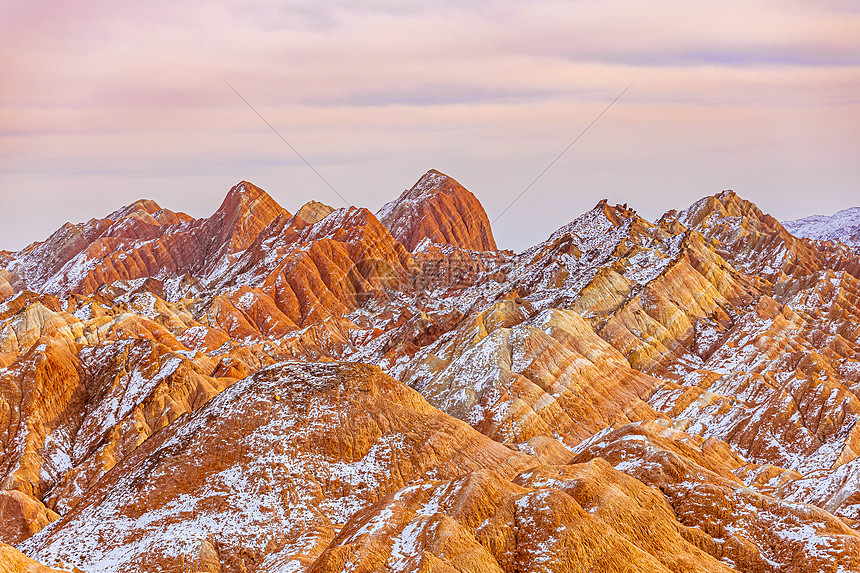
<point x="843" y="226"/>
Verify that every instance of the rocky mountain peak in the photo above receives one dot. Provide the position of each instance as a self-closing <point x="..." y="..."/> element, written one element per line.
<point x="147" y="206"/>
<point x="244" y="213"/>
<point x="258" y="392"/>
<point x="844" y="226"/>
<point x="431" y="183"/>
<point x="313" y="212"/>
<point x="439" y="209"/>
<point x="246" y="197"/>
<point x="728" y="205"/>
<point x="143" y="211"/>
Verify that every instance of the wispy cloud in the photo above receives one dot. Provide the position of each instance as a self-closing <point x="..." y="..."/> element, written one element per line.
<point x="104" y="102"/>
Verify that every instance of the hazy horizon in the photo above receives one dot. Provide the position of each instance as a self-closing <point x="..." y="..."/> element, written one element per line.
<point x="105" y="103"/>
<point x="294" y="208"/>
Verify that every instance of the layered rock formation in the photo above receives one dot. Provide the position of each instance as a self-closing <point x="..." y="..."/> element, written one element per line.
<point x="438" y="210"/>
<point x="13" y="561"/>
<point x="270" y="469"/>
<point x="336" y="391"/>
<point x="144" y="240"/>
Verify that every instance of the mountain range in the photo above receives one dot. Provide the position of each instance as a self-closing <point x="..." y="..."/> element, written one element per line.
<point x="844" y="226"/>
<point x="340" y="390"/>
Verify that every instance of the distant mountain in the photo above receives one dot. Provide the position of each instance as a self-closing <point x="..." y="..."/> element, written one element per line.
<point x="843" y="226"/>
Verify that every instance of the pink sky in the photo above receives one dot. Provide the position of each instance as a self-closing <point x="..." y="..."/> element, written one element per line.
<point x="102" y="103"/>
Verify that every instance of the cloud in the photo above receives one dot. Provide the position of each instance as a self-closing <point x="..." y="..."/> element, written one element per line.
<point x="105" y="102"/>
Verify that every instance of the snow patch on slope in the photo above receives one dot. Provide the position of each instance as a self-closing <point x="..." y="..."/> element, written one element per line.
<point x="844" y="226"/>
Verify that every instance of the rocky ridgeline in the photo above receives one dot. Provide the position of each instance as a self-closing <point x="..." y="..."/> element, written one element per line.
<point x="334" y="390"/>
<point x="843" y="226"/>
<point x="439" y="210"/>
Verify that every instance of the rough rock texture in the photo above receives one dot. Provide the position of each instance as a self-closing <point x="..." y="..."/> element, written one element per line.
<point x="22" y="515"/>
<point x="586" y="517"/>
<point x="268" y="469"/>
<point x="13" y="561"/>
<point x="313" y="212"/>
<point x="439" y="210"/>
<point x="514" y="377"/>
<point x="330" y="391"/>
<point x="844" y="226"/>
<point x="750" y="530"/>
<point x="144" y="240"/>
<point x="757" y="244"/>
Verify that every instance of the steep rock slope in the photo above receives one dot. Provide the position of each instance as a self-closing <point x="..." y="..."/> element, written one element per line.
<point x="782" y="382"/>
<point x="13" y="561"/>
<point x="262" y="475"/>
<point x="144" y="240"/>
<point x="626" y="395"/>
<point x="439" y="210"/>
<point x="309" y="272"/>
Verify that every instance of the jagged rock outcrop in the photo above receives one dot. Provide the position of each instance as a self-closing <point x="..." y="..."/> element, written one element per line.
<point x="265" y="471"/>
<point x="144" y="240"/>
<point x="327" y="391"/>
<point x="439" y="210"/>
<point x="312" y="271"/>
<point x="757" y="244"/>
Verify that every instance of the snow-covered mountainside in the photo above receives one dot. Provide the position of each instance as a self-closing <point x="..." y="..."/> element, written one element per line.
<point x="333" y="390"/>
<point x="843" y="226"/>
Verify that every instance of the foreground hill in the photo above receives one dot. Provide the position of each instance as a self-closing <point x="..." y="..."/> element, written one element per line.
<point x="334" y="390"/>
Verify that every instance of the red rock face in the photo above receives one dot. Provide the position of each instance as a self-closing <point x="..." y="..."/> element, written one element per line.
<point x="21" y="516"/>
<point x="332" y="391"/>
<point x="143" y="240"/>
<point x="312" y="442"/>
<point x="13" y="561"/>
<point x="439" y="210"/>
